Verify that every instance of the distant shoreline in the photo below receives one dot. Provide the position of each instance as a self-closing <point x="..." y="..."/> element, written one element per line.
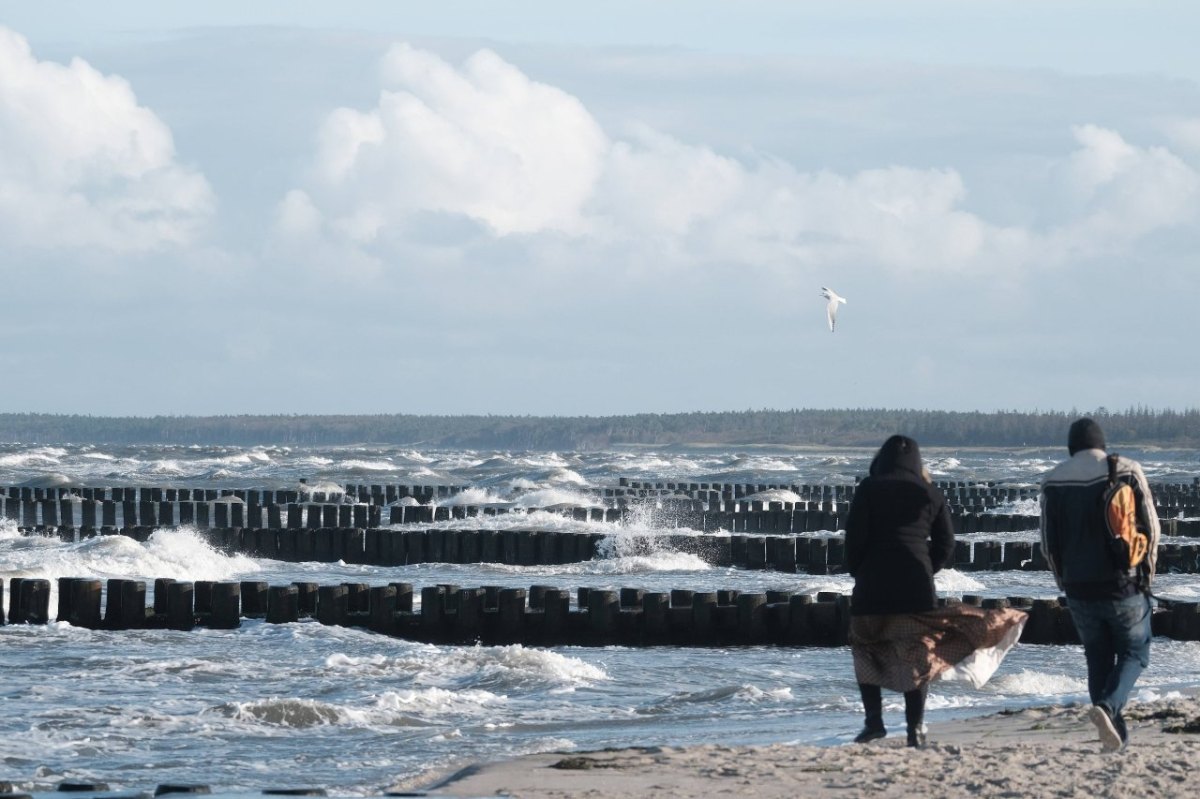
<point x="790" y="430"/>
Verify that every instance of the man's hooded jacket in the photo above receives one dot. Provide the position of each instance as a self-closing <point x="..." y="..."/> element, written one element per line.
<point x="1075" y="537"/>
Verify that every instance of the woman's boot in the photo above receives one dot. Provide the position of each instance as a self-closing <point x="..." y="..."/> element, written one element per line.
<point x="872" y="699"/>
<point x="914" y="715"/>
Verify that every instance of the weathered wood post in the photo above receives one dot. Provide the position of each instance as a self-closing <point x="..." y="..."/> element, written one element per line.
<point x="604" y="608"/>
<point x="332" y="604"/>
<point x="752" y="624"/>
<point x="254" y="598"/>
<point x="283" y="604"/>
<point x="226" y="606"/>
<point x="512" y="614"/>
<point x="181" y="611"/>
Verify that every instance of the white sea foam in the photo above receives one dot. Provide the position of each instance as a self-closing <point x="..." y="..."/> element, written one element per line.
<point x="775" y="495"/>
<point x="239" y="459"/>
<point x="292" y="713"/>
<point x="812" y="584"/>
<point x="33" y="459"/>
<point x="761" y="464"/>
<point x="649" y="464"/>
<point x="501" y="668"/>
<point x="187" y="553"/>
<point x="326" y="487"/>
<point x="399" y="708"/>
<point x="10" y="529"/>
<point x="1035" y="683"/>
<point x="567" y="476"/>
<point x="943" y="466"/>
<point x="939" y="700"/>
<point x="472" y="496"/>
<point x="432" y="703"/>
<point x="1151" y="695"/>
<point x="660" y="561"/>
<point x="744" y="692"/>
<point x="556" y="497"/>
<point x="181" y="554"/>
<point x="152" y="668"/>
<point x="1020" y="507"/>
<point x="356" y="466"/>
<point x="168" y="468"/>
<point x="952" y="581"/>
<point x="755" y="695"/>
<point x="315" y="461"/>
<point x="544" y="745"/>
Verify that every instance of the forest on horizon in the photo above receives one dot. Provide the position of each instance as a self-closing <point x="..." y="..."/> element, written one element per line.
<point x="846" y="427"/>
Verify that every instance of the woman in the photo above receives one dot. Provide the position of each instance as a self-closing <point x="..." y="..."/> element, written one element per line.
<point x="898" y="535"/>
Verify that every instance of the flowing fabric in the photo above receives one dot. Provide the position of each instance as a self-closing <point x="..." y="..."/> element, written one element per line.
<point x="905" y="651"/>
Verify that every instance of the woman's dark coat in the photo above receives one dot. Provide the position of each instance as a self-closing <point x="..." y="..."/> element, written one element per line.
<point x="898" y="534"/>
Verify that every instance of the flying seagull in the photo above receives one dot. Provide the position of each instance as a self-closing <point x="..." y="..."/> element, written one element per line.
<point x="832" y="307"/>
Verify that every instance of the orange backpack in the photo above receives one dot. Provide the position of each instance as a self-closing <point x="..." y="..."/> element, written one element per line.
<point x="1130" y="541"/>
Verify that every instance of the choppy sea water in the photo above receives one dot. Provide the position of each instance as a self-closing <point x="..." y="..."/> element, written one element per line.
<point x="306" y="705"/>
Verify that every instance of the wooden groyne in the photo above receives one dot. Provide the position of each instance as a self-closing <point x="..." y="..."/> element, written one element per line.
<point x="540" y="615"/>
<point x="390" y="525"/>
<point x="807" y="554"/>
<point x="700" y="506"/>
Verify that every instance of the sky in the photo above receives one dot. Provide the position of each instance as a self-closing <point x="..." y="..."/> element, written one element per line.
<point x="549" y="208"/>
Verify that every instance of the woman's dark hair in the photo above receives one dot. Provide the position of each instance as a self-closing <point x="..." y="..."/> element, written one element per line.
<point x="898" y="452"/>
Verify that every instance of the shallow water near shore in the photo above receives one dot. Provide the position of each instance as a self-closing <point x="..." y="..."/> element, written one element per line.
<point x="307" y="705"/>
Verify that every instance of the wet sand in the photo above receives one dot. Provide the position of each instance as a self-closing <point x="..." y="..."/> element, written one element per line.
<point x="1047" y="751"/>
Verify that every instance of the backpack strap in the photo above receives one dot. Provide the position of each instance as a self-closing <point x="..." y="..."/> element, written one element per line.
<point x="1112" y="468"/>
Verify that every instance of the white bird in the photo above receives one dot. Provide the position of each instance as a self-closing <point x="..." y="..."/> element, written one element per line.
<point x="832" y="308"/>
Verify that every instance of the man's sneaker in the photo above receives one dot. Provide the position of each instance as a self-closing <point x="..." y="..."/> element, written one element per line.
<point x="1110" y="739"/>
<point x="1122" y="730"/>
<point x="870" y="733"/>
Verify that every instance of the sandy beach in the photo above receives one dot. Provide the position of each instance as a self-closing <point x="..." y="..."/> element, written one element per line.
<point x="1049" y="751"/>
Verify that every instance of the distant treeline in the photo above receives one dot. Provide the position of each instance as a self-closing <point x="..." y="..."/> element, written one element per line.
<point x="850" y="427"/>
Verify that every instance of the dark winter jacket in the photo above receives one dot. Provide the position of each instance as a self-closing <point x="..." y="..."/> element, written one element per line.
<point x="1075" y="537"/>
<point x="898" y="534"/>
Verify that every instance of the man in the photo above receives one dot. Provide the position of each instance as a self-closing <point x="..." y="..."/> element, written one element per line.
<point x="1109" y="601"/>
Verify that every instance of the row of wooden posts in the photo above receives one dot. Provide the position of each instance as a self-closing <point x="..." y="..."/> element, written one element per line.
<point x="384" y="503"/>
<point x="541" y="615"/>
<point x="820" y="554"/>
<point x="752" y="517"/>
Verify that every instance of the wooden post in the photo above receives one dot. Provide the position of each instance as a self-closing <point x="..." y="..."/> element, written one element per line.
<point x="226" y="606"/>
<point x="332" y="604"/>
<point x="181" y="613"/>
<point x="283" y="604"/>
<point x="254" y="598"/>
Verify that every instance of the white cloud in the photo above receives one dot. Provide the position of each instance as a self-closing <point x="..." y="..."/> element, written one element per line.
<point x="1184" y="133"/>
<point x="1120" y="192"/>
<point x="522" y="158"/>
<point x="82" y="165"/>
<point x="484" y="141"/>
<point x="297" y="216"/>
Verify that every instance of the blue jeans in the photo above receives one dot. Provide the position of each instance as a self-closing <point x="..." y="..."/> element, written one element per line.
<point x="1116" y="643"/>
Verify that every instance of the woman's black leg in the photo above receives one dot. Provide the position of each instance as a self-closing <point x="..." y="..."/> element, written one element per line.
<point x="872" y="699"/>
<point x="914" y="715"/>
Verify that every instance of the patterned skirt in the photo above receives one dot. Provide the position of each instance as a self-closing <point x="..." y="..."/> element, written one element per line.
<point x="904" y="651"/>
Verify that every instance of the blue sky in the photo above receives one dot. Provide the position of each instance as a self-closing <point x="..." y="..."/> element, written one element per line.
<point x="546" y="208"/>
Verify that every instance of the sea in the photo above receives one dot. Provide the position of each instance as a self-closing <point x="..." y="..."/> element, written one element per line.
<point x="305" y="706"/>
